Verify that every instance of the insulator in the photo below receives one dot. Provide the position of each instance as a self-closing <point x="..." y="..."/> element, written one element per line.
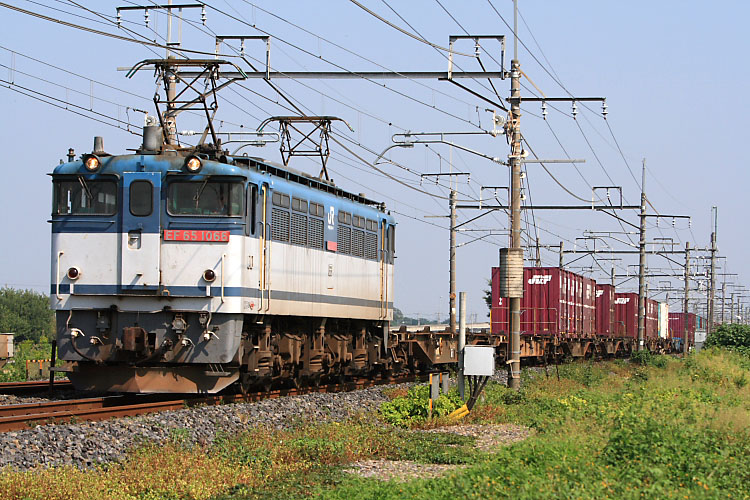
<point x="575" y="110"/>
<point x="476" y="48"/>
<point x="145" y="16"/>
<point x="119" y="19"/>
<point x="544" y="109"/>
<point x="690" y="223"/>
<point x="242" y="48"/>
<point x="203" y="15"/>
<point x="604" y="109"/>
<point x="672" y="221"/>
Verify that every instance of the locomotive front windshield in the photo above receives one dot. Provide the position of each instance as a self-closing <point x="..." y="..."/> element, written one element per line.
<point x="212" y="198"/>
<point x="85" y="197"/>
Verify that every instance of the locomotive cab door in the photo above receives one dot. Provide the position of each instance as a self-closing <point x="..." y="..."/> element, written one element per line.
<point x="140" y="238"/>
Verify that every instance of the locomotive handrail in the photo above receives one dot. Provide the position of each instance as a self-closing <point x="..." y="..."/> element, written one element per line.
<point x="223" y="256"/>
<point x="57" y="276"/>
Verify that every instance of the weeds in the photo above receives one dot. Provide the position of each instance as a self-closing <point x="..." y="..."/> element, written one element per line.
<point x="671" y="429"/>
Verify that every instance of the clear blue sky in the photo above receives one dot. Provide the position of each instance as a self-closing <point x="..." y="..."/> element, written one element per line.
<point x="673" y="72"/>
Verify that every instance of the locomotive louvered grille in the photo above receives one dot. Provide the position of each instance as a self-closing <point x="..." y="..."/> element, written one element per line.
<point x="315" y="239"/>
<point x="299" y="229"/>
<point x="345" y="240"/>
<point x="371" y="246"/>
<point x="279" y="225"/>
<point x="358" y="243"/>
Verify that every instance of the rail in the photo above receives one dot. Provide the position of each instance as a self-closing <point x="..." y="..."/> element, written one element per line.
<point x="22" y="416"/>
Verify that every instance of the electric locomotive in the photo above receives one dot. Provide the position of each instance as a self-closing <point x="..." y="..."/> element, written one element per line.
<point x="173" y="270"/>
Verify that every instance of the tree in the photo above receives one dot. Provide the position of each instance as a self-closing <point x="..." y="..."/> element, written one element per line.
<point x="27" y="314"/>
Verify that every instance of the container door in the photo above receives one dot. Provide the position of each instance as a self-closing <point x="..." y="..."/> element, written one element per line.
<point x="140" y="242"/>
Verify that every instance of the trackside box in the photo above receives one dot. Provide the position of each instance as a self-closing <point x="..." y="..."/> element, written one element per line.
<point x="555" y="302"/>
<point x="605" y="310"/>
<point x="681" y="323"/>
<point x="626" y="316"/>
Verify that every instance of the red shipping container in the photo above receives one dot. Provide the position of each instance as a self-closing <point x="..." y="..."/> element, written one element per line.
<point x="679" y="323"/>
<point x="652" y="319"/>
<point x="555" y="302"/>
<point x="626" y="315"/>
<point x="605" y="310"/>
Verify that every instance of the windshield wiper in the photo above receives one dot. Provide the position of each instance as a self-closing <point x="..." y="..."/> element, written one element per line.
<point x="198" y="193"/>
<point x="85" y="186"/>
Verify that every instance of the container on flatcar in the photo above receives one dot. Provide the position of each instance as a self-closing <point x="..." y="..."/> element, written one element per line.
<point x="663" y="328"/>
<point x="626" y="315"/>
<point x="555" y="302"/>
<point x="652" y="319"/>
<point x="680" y="323"/>
<point x="605" y="310"/>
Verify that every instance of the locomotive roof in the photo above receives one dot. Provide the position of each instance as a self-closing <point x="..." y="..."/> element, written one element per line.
<point x="228" y="165"/>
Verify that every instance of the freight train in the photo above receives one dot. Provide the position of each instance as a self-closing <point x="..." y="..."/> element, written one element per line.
<point x="566" y="314"/>
<point x="174" y="270"/>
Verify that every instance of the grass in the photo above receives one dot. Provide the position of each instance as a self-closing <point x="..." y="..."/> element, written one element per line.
<point x="665" y="428"/>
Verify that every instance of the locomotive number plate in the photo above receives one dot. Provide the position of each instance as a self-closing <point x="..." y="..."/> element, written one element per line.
<point x="195" y="235"/>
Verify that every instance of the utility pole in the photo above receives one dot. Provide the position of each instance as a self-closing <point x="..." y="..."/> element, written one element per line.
<point x="723" y="298"/>
<point x="538" y="255"/>
<point x="452" y="251"/>
<point x="642" y="265"/>
<point x="452" y="292"/>
<point x="712" y="286"/>
<point x="686" y="303"/>
<point x="514" y="344"/>
<point x="461" y="342"/>
<point x="562" y="259"/>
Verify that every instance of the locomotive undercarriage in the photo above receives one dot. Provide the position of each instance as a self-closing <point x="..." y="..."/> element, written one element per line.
<point x="187" y="351"/>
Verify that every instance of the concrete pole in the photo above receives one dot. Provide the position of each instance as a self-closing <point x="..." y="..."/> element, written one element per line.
<point x="642" y="265"/>
<point x="461" y="342"/>
<point x="723" y="298"/>
<point x="686" y="303"/>
<point x="452" y="291"/>
<point x="712" y="287"/>
<point x="562" y="259"/>
<point x="514" y="356"/>
<point x="170" y="87"/>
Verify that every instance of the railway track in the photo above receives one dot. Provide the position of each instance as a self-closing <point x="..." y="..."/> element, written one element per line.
<point x="22" y="416"/>
<point x="32" y="386"/>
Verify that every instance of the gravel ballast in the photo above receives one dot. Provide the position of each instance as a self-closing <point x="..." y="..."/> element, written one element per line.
<point x="89" y="443"/>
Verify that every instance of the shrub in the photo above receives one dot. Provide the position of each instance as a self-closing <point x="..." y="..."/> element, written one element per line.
<point x="406" y="411"/>
<point x="731" y="336"/>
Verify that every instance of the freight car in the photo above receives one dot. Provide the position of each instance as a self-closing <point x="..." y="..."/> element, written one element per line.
<point x="681" y="326"/>
<point x="564" y="313"/>
<point x="176" y="270"/>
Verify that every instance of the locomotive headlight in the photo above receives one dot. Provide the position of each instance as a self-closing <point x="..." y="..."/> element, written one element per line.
<point x="91" y="162"/>
<point x="74" y="273"/>
<point x="193" y="164"/>
<point x="209" y="275"/>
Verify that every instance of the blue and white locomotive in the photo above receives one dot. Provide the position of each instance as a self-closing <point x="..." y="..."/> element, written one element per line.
<point x="179" y="271"/>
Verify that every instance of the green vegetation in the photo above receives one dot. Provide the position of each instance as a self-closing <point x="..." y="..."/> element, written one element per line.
<point x="399" y="319"/>
<point x="411" y="409"/>
<point x="27" y="314"/>
<point x="653" y="428"/>
<point x="15" y="371"/>
<point x="731" y="336"/>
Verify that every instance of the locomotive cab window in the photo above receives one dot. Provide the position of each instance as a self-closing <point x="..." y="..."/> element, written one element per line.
<point x="84" y="197"/>
<point x="206" y="198"/>
<point x="141" y="198"/>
